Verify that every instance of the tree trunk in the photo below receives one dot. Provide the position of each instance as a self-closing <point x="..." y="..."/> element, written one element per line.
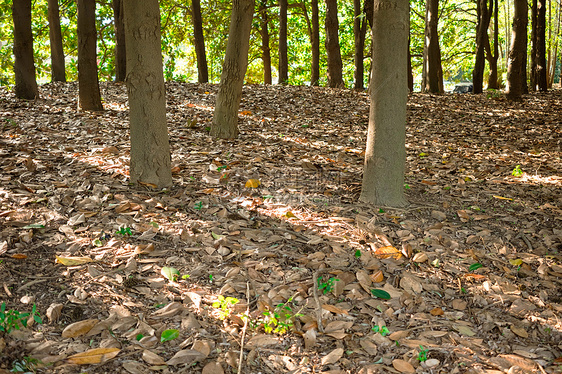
<point x="484" y="15"/>
<point x="199" y="41"/>
<point x="410" y="71"/>
<point x="335" y="66"/>
<point x="265" y="50"/>
<point x="385" y="155"/>
<point x="315" y="44"/>
<point x="516" y="75"/>
<point x="225" y="118"/>
<point x="534" y="62"/>
<point x="283" y="59"/>
<point x="88" y="84"/>
<point x="24" y="66"/>
<point x="432" y="77"/>
<point x="120" y="49"/>
<point x="359" y="31"/>
<point x="55" y="38"/>
<point x="150" y="147"/>
<point x="540" y="76"/>
<point x="493" y="78"/>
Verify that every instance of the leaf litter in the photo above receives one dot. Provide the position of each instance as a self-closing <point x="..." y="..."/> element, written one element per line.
<point x="261" y="258"/>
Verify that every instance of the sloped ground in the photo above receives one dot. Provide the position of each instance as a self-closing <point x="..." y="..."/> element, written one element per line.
<point x="270" y="223"/>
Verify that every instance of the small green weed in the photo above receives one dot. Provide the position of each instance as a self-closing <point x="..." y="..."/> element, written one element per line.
<point x="223" y="305"/>
<point x="422" y="355"/>
<point x="327" y="286"/>
<point x="124" y="231"/>
<point x="517" y="172"/>
<point x="198" y="205"/>
<point x="12" y="319"/>
<point x="383" y="330"/>
<point x="25" y="365"/>
<point x="278" y="321"/>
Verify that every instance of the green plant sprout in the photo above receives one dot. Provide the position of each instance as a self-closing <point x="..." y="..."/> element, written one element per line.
<point x="198" y="205"/>
<point x="12" y="319"/>
<point x="223" y="305"/>
<point x="422" y="356"/>
<point x="358" y="253"/>
<point x="383" y="330"/>
<point x="124" y="231"/>
<point x="327" y="286"/>
<point x="26" y="365"/>
<point x="517" y="172"/>
<point x="280" y="320"/>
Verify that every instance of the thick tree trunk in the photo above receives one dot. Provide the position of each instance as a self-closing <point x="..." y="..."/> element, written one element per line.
<point x="359" y="31"/>
<point x="24" y="66"/>
<point x="493" y="78"/>
<point x="385" y="155"/>
<point x="283" y="59"/>
<point x="120" y="49"/>
<point x="88" y="84"/>
<point x="315" y="44"/>
<point x="225" y="118"/>
<point x="516" y="76"/>
<point x="55" y="38"/>
<point x="265" y="50"/>
<point x="335" y="66"/>
<point x="199" y="41"/>
<point x="150" y="148"/>
<point x="481" y="35"/>
<point x="432" y="76"/>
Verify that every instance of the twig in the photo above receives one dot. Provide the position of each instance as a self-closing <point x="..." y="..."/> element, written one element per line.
<point x="526" y="240"/>
<point x="244" y="328"/>
<point x="317" y="299"/>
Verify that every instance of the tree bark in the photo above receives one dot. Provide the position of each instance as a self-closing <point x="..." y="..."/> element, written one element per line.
<point x="55" y="38"/>
<point x="493" y="78"/>
<point x="120" y="49"/>
<point x="534" y="62"/>
<point x="150" y="148"/>
<point x="225" y="118"/>
<point x="315" y="44"/>
<point x="410" y="71"/>
<point x="24" y="66"/>
<point x="265" y="50"/>
<point x="359" y="31"/>
<point x="516" y="75"/>
<point x="432" y="76"/>
<point x="484" y="15"/>
<point x="540" y="75"/>
<point x="283" y="59"/>
<point x="199" y="41"/>
<point x="385" y="155"/>
<point x="88" y="83"/>
<point x="335" y="66"/>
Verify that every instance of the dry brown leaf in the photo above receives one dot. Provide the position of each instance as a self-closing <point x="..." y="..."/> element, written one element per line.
<point x="399" y="335"/>
<point x="377" y="276"/>
<point x="369" y="347"/>
<point x="436" y="312"/>
<point x="93" y="356"/>
<point x="53" y="313"/>
<point x="309" y="339"/>
<point x="213" y="368"/>
<point x="203" y="346"/>
<point x="334" y="309"/>
<point x="152" y="358"/>
<point x="73" y="261"/>
<point x="459" y="304"/>
<point x="332" y="357"/>
<point x="185" y="356"/>
<point x="403" y="366"/>
<point x="519" y="331"/>
<point x="388" y="252"/>
<point x="79" y="328"/>
<point x="262" y="340"/>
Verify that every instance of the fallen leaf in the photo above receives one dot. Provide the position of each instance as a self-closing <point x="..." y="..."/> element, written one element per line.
<point x="262" y="340"/>
<point x="80" y="328"/>
<point x="252" y="183"/>
<point x="403" y="366"/>
<point x="93" y="356"/>
<point x="73" y="261"/>
<point x="332" y="357"/>
<point x="152" y="358"/>
<point x="185" y="356"/>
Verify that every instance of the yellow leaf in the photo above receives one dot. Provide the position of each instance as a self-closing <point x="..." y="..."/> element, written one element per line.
<point x="502" y="198"/>
<point x="290" y="214"/>
<point x="516" y="262"/>
<point x="388" y="252"/>
<point x="253" y="183"/>
<point x="79" y="328"/>
<point x="93" y="356"/>
<point x="73" y="261"/>
<point x="246" y="112"/>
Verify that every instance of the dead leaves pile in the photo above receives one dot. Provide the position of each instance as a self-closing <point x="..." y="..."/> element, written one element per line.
<point x="260" y="259"/>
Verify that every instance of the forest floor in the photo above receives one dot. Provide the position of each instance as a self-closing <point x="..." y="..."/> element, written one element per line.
<point x="262" y="247"/>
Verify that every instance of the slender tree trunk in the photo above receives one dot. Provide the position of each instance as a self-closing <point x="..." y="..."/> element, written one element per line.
<point x="150" y="147"/>
<point x="359" y="31"/>
<point x="24" y="66"/>
<point x="120" y="49"/>
<point x="55" y="38"/>
<point x="534" y="62"/>
<point x="199" y="41"/>
<point x="385" y="155"/>
<point x="432" y="70"/>
<point x="225" y="118"/>
<point x="484" y="15"/>
<point x="335" y="66"/>
<point x="88" y="84"/>
<point x="410" y="71"/>
<point x="283" y="59"/>
<point x="265" y="50"/>
<point x="554" y="56"/>
<point x="516" y="75"/>
<point x="493" y="79"/>
<point x="541" y="69"/>
<point x="315" y="44"/>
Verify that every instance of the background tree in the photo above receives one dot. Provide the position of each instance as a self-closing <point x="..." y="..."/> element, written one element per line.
<point x="538" y="49"/>
<point x="359" y="31"/>
<point x="55" y="37"/>
<point x="432" y="75"/>
<point x="484" y="10"/>
<point x="283" y="55"/>
<point x="88" y="83"/>
<point x="199" y="42"/>
<point x="150" y="148"/>
<point x="315" y="44"/>
<point x="492" y="57"/>
<point x="264" y="34"/>
<point x="335" y="78"/>
<point x="120" y="49"/>
<point x="225" y="118"/>
<point x="24" y="66"/>
<point x="516" y="77"/>
<point x="385" y="155"/>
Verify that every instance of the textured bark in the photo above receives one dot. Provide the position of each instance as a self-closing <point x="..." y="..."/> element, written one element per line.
<point x="225" y="118"/>
<point x="120" y="48"/>
<point x="538" y="71"/>
<point x="24" y="66"/>
<point x="484" y="14"/>
<point x="516" y="76"/>
<point x="432" y="72"/>
<point x="265" y="50"/>
<point x="493" y="78"/>
<point x="385" y="155"/>
<point x="88" y="83"/>
<point x="55" y="39"/>
<point x="335" y="66"/>
<point x="150" y="148"/>
<point x="315" y="44"/>
<point x="199" y="42"/>
<point x="533" y="75"/>
<point x="283" y="59"/>
<point x="410" y="71"/>
<point x="359" y="31"/>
